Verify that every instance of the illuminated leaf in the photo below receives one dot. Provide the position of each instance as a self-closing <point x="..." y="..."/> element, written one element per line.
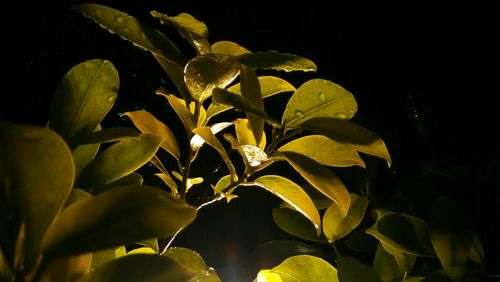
<point x="193" y="30"/>
<point x="205" y="72"/>
<point x="164" y="175"/>
<point x="250" y="90"/>
<point x="350" y="134"/>
<point x="277" y="61"/>
<point x="293" y="269"/>
<point x="119" y="160"/>
<point x="222" y="96"/>
<point x="228" y="48"/>
<point x="189" y="182"/>
<point x="350" y="270"/>
<point x="176" y="74"/>
<point x="179" y="106"/>
<point x="193" y="262"/>
<point x="335" y="226"/>
<point x="245" y="135"/>
<point x="109" y="135"/>
<point x="147" y="123"/>
<point x="82" y="98"/>
<point x="386" y="266"/>
<point x="292" y="194"/>
<point x="318" y="98"/>
<point x="36" y="177"/>
<point x="320" y="178"/>
<point x="151" y="243"/>
<point x="116" y="217"/>
<point x="133" y="178"/>
<point x="293" y="222"/>
<point x="405" y="261"/>
<point x="324" y="150"/>
<point x="103" y="256"/>
<point x="269" y="86"/>
<point x="142" y="250"/>
<point x="196" y="141"/>
<point x="83" y="155"/>
<point x="140" y="268"/>
<point x="206" y="134"/>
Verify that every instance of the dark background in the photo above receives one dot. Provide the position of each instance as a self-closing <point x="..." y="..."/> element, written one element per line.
<point x="425" y="78"/>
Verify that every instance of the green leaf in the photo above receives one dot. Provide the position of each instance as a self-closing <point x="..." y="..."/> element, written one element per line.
<point x="119" y="160"/>
<point x="250" y="90"/>
<point x="116" y="217"/>
<point x="193" y="30"/>
<point x="196" y="141"/>
<point x="83" y="97"/>
<point x="109" y="135"/>
<point x="385" y="265"/>
<point x="133" y="178"/>
<point x="206" y="134"/>
<point x="101" y="257"/>
<point x="269" y="86"/>
<point x="293" y="222"/>
<point x="133" y="30"/>
<point x="246" y="136"/>
<point x="164" y="175"/>
<point x="179" y="106"/>
<point x="228" y="48"/>
<point x="277" y="61"/>
<point x="193" y="262"/>
<point x="75" y="196"/>
<point x="147" y="123"/>
<point x="405" y="261"/>
<point x="151" y="243"/>
<point x="142" y="250"/>
<point x="176" y="74"/>
<point x="320" y="178"/>
<point x="222" y="96"/>
<point x="203" y="73"/>
<point x="351" y="270"/>
<point x="350" y="134"/>
<point x="36" y="177"/>
<point x="83" y="155"/>
<point x="318" y="98"/>
<point x="325" y="151"/>
<point x="292" y="194"/>
<point x="301" y="268"/>
<point x="335" y="226"/>
<point x="140" y="268"/>
<point x="403" y="232"/>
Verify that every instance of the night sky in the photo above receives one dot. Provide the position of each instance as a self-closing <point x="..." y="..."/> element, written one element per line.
<point x="425" y="78"/>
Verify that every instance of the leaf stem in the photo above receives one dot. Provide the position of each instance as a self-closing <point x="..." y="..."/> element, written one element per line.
<point x="337" y="253"/>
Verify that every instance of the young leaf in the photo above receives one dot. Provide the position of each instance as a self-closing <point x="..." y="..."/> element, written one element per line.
<point x="269" y="86"/>
<point x="386" y="266"/>
<point x="205" y="72"/>
<point x="140" y="268"/>
<point x="116" y="217"/>
<point x="300" y="268"/>
<point x="194" y="262"/>
<point x="293" y="222"/>
<point x="109" y="135"/>
<point x="82" y="99"/>
<point x="335" y="226"/>
<point x="147" y="123"/>
<point x="228" y="48"/>
<point x="350" y="134"/>
<point x="36" y="176"/>
<point x="320" y="178"/>
<point x="325" y="151"/>
<point x="179" y="106"/>
<point x="133" y="30"/>
<point x="119" y="160"/>
<point x="206" y="134"/>
<point x="352" y="270"/>
<point x="318" y="98"/>
<point x="277" y="61"/>
<point x="250" y="90"/>
<point x="245" y="135"/>
<point x="196" y="141"/>
<point x="193" y="30"/>
<point x="292" y="194"/>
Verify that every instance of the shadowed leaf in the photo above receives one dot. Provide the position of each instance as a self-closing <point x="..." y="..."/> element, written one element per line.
<point x="277" y="61"/>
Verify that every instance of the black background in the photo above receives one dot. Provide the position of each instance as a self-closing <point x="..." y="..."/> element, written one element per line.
<point x="399" y="59"/>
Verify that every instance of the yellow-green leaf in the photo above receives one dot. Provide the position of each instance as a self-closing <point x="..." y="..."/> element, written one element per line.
<point x="350" y="270"/>
<point x="116" y="217"/>
<point x="205" y="72"/>
<point x="325" y="151"/>
<point x="83" y="155"/>
<point x="222" y="96"/>
<point x="140" y="268"/>
<point x="129" y="179"/>
<point x="404" y="261"/>
<point x="147" y="123"/>
<point x="206" y="134"/>
<point x="193" y="30"/>
<point x="269" y="86"/>
<point x="245" y="135"/>
<point x="293" y="222"/>
<point x="228" y="48"/>
<point x="133" y="30"/>
<point x="292" y="194"/>
<point x="320" y="178"/>
<point x="179" y="106"/>
<point x="67" y="268"/>
<point x="350" y="134"/>
<point x="250" y="90"/>
<point x="194" y="262"/>
<point x="318" y="98"/>
<point x="83" y="97"/>
<point x="119" y="160"/>
<point x="36" y="177"/>
<point x="109" y="135"/>
<point x="142" y="250"/>
<point x="196" y="141"/>
<point x="151" y="243"/>
<point x="176" y="74"/>
<point x="300" y="268"/>
<point x="385" y="265"/>
<point x="335" y="226"/>
<point x="164" y="175"/>
<point x="103" y="256"/>
<point x="277" y="61"/>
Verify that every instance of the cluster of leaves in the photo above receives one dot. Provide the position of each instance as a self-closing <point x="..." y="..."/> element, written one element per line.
<point x="72" y="209"/>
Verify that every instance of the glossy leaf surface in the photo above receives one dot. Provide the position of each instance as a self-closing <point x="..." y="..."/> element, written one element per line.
<point x="229" y="48"/>
<point x="300" y="268"/>
<point x="293" y="222"/>
<point x="193" y="262"/>
<point x="277" y="61"/>
<point x="109" y="135"/>
<point x="250" y="90"/>
<point x="245" y="135"/>
<point x="335" y="226"/>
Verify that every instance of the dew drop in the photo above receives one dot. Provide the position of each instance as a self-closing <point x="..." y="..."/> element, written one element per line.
<point x="340" y="115"/>
<point x="111" y="99"/>
<point x="322" y="96"/>
<point x="299" y="114"/>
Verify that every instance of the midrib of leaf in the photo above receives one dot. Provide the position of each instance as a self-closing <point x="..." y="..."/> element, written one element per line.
<point x="316" y="108"/>
<point x="80" y="107"/>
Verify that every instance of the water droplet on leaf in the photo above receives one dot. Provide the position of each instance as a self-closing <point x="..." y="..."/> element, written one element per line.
<point x="299" y="114"/>
<point x="322" y="96"/>
<point x="340" y="115"/>
<point x="111" y="99"/>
